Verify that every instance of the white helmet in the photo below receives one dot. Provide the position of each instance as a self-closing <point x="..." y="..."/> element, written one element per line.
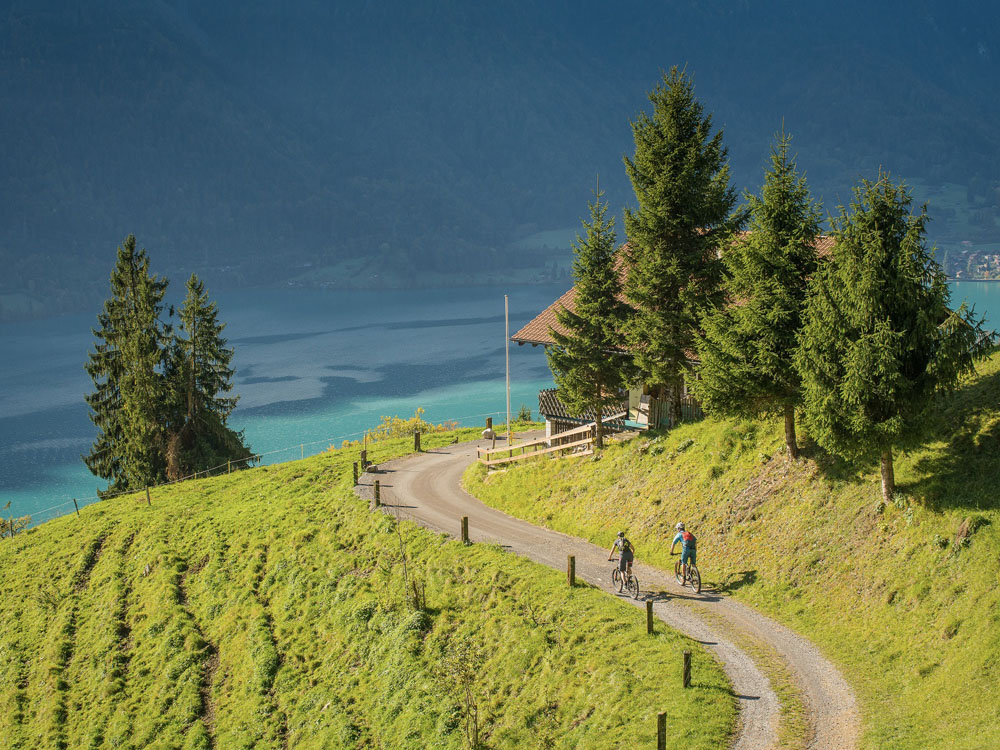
<point x="680" y="526"/>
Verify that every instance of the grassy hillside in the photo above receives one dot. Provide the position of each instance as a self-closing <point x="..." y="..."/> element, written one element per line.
<point x="906" y="597"/>
<point x="266" y="609"/>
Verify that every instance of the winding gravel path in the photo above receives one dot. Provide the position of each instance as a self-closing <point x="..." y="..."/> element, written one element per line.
<point x="427" y="489"/>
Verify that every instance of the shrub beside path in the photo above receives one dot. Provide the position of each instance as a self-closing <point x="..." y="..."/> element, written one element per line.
<point x="426" y="488"/>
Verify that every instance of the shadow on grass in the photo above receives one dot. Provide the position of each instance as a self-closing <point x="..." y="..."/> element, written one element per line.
<point x="735" y="581"/>
<point x="964" y="473"/>
<point x="834" y="468"/>
<point x="725" y="691"/>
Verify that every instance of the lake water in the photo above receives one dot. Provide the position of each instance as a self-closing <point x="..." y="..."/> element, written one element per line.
<point x="313" y="368"/>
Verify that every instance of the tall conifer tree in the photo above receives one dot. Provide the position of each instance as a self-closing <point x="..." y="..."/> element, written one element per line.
<point x="748" y="343"/>
<point x="879" y="340"/>
<point x="130" y="402"/>
<point x="587" y="362"/>
<point x="680" y="175"/>
<point x="201" y="381"/>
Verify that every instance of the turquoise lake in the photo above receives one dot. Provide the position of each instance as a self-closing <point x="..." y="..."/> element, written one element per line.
<point x="312" y="368"/>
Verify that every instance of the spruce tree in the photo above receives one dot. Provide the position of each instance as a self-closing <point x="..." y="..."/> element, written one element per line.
<point x="587" y="361"/>
<point x="879" y="340"/>
<point x="129" y="405"/>
<point x="680" y="175"/>
<point x="201" y="381"/>
<point x="747" y="346"/>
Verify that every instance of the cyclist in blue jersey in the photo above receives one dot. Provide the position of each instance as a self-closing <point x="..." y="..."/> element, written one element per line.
<point x="689" y="551"/>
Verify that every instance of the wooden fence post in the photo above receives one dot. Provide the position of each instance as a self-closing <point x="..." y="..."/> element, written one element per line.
<point x="571" y="570"/>
<point x="303" y="446"/>
<point x="378" y="494"/>
<point x="355" y="473"/>
<point x="489" y="423"/>
<point x="649" y="616"/>
<point x="687" y="669"/>
<point x="661" y="731"/>
<point x="149" y="500"/>
<point x="229" y="466"/>
<point x="465" y="529"/>
<point x="12" y="529"/>
<point x="416" y="442"/>
<point x="364" y="460"/>
<point x="76" y="506"/>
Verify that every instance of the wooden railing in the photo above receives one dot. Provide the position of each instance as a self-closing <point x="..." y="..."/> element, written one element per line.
<point x="571" y="439"/>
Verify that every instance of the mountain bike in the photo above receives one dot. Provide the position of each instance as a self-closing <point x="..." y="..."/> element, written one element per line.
<point x="692" y="579"/>
<point x="628" y="581"/>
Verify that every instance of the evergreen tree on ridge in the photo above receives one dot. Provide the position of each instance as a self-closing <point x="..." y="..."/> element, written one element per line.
<point x="588" y="362"/>
<point x="680" y="175"/>
<point x="748" y="343"/>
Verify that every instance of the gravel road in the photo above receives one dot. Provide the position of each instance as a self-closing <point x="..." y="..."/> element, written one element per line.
<point x="427" y="489"/>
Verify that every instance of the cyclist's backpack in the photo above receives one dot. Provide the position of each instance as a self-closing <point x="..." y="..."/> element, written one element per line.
<point x="689" y="539"/>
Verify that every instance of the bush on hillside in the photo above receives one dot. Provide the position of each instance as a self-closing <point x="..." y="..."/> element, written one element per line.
<point x="13" y="525"/>
<point x="396" y="427"/>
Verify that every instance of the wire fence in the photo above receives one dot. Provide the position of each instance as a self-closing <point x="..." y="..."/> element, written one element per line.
<point x="12" y="525"/>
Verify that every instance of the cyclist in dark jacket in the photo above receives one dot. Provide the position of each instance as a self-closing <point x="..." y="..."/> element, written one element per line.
<point x="626" y="552"/>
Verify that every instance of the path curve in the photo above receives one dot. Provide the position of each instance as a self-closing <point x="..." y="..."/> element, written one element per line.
<point x="427" y="488"/>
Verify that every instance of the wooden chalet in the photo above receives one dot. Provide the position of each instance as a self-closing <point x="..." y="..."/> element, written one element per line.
<point x="641" y="409"/>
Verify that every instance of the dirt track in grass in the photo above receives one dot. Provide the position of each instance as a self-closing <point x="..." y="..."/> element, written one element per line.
<point x="427" y="488"/>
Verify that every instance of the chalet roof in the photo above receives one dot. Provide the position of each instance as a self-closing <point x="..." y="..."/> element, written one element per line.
<point x="537" y="331"/>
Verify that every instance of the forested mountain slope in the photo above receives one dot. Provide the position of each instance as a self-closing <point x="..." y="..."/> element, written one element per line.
<point x="256" y="142"/>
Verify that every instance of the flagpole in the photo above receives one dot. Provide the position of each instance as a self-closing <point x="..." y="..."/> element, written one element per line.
<point x="506" y="323"/>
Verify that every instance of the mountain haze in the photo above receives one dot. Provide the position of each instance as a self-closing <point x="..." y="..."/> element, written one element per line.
<point x="256" y="143"/>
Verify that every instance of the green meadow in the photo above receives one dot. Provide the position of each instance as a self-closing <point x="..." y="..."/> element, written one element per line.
<point x="270" y="608"/>
<point x="904" y="597"/>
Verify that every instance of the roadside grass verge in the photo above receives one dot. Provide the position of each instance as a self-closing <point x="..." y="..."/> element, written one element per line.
<point x="267" y="609"/>
<point x="905" y="596"/>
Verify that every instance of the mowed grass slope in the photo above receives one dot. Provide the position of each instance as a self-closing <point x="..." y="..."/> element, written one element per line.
<point x="905" y="597"/>
<point x="266" y="609"/>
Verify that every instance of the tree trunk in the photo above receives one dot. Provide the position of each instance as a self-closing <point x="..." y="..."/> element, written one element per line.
<point x="675" y="404"/>
<point x="793" y="448"/>
<point x="888" y="477"/>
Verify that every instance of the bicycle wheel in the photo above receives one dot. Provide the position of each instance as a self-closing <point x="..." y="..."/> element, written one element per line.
<point x="633" y="586"/>
<point x="616" y="579"/>
<point x="694" y="578"/>
<point x="677" y="573"/>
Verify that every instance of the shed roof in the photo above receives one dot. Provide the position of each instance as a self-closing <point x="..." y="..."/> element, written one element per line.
<point x="551" y="407"/>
